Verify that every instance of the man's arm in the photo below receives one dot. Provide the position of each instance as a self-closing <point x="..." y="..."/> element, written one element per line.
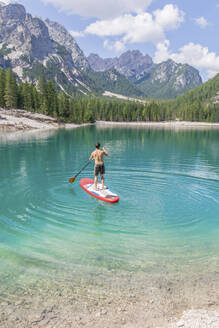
<point x="91" y="156"/>
<point x="105" y="152"/>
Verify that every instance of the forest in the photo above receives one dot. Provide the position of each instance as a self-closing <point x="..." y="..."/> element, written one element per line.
<point x="195" y="105"/>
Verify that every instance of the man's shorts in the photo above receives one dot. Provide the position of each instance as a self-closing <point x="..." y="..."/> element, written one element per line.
<point x="99" y="168"/>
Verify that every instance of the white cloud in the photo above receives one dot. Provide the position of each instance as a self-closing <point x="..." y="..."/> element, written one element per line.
<point x="100" y="8"/>
<point x="170" y="17"/>
<point x="115" y="46"/>
<point x="192" y="54"/>
<point x="162" y="53"/>
<point x="139" y="28"/>
<point x="76" y="34"/>
<point x="143" y="27"/>
<point x="201" y="21"/>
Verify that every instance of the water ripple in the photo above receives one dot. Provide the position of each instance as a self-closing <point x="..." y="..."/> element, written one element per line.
<point x="168" y="211"/>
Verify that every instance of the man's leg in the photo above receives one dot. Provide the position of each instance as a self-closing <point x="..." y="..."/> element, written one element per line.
<point x="102" y="179"/>
<point x="95" y="181"/>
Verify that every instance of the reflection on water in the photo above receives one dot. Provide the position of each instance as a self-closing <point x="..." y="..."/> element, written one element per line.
<point x="25" y="136"/>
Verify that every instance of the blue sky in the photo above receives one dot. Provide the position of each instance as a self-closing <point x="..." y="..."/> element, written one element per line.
<point x="186" y="31"/>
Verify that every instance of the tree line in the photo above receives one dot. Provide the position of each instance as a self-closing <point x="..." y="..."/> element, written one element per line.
<point x="46" y="99"/>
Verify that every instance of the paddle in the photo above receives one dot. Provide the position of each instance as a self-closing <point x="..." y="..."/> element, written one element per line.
<point x="71" y="180"/>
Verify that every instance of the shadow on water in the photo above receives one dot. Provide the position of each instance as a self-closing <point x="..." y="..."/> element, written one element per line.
<point x="99" y="214"/>
<point x="72" y="191"/>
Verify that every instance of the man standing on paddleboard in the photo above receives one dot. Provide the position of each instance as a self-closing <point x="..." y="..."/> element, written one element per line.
<point x="97" y="155"/>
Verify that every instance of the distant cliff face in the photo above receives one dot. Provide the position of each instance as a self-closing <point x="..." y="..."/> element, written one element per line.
<point x="23" y="38"/>
<point x="99" y="64"/>
<point x="181" y="75"/>
<point x="164" y="80"/>
<point x="28" y="43"/>
<point x="60" y="35"/>
<point x="132" y="64"/>
<point x="169" y="80"/>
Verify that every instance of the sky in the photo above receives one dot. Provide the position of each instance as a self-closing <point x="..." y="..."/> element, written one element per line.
<point x="185" y="31"/>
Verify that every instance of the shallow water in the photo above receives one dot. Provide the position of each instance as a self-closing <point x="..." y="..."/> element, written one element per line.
<point x="167" y="218"/>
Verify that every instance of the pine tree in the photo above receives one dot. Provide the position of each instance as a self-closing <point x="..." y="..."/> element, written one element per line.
<point x="88" y="114"/>
<point x="20" y="102"/>
<point x="51" y="99"/>
<point x="27" y="96"/>
<point x="2" y="88"/>
<point x="11" y="95"/>
<point x="42" y="85"/>
<point x="36" y="98"/>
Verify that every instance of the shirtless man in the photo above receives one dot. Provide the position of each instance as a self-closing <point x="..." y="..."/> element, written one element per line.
<point x="97" y="155"/>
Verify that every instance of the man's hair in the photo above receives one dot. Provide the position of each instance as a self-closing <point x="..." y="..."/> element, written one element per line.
<point x="97" y="145"/>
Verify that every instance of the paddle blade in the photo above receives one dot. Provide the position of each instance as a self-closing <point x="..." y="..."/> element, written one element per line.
<point x="71" y="180"/>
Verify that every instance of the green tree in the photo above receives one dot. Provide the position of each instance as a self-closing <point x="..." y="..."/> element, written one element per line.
<point x="88" y="113"/>
<point x="63" y="105"/>
<point x="2" y="88"/>
<point x="36" y="98"/>
<point x="42" y="86"/>
<point x="27" y="96"/>
<point x="11" y="95"/>
<point x="51" y="99"/>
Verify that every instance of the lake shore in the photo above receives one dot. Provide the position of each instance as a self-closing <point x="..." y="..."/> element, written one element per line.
<point x="165" y="124"/>
<point x="22" y="120"/>
<point x="112" y="300"/>
<point x="108" y="299"/>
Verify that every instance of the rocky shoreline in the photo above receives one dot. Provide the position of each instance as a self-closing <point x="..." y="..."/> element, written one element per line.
<point x="165" y="124"/>
<point x="21" y="120"/>
<point x="111" y="300"/>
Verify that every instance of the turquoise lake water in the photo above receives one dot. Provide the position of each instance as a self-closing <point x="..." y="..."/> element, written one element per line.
<point x="168" y="213"/>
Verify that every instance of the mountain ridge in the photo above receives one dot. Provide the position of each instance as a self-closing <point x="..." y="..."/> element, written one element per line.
<point x="132" y="64"/>
<point x="165" y="80"/>
<point x="30" y="45"/>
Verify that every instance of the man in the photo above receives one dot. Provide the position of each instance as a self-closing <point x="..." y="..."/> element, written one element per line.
<point x="97" y="155"/>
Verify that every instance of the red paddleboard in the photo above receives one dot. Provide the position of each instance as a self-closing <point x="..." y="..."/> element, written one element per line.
<point x="106" y="195"/>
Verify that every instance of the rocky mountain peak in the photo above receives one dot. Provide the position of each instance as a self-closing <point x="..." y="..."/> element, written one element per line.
<point x="181" y="75"/>
<point x="133" y="64"/>
<point x="164" y="71"/>
<point x="170" y="79"/>
<point x="13" y="13"/>
<point x="99" y="64"/>
<point x="130" y="56"/>
<point x="59" y="34"/>
<point x="28" y="44"/>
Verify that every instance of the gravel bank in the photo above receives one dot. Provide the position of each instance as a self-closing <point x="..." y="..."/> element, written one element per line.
<point x="17" y="119"/>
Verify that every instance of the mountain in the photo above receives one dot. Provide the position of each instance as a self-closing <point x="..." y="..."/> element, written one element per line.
<point x="169" y="80"/>
<point x="31" y="46"/>
<point x="60" y="35"/>
<point x="164" y="80"/>
<point x="201" y="103"/>
<point x="206" y="94"/>
<point x="28" y="47"/>
<point x="111" y="80"/>
<point x="132" y="64"/>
